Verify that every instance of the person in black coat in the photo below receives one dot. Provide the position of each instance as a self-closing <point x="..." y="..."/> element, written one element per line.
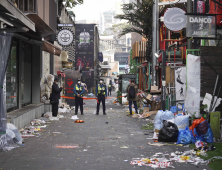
<point x="55" y="96"/>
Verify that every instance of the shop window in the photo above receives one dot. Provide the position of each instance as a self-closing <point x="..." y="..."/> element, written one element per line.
<point x="26" y="75"/>
<point x="11" y="80"/>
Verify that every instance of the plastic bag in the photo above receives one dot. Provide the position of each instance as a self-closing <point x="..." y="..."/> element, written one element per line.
<point x="185" y="136"/>
<point x="18" y="137"/>
<point x="195" y="124"/>
<point x="169" y="132"/>
<point x="160" y="116"/>
<point x="202" y="128"/>
<point x="182" y="122"/>
<point x="209" y="137"/>
<point x="174" y="109"/>
<point x="157" y="120"/>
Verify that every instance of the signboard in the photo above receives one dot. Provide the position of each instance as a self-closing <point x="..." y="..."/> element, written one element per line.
<point x="65" y="25"/>
<point x="192" y="100"/>
<point x="85" y="52"/>
<point x="70" y="81"/>
<point x="67" y="64"/>
<point x="202" y="26"/>
<point x="65" y="37"/>
<point x="175" y="19"/>
<point x="180" y="82"/>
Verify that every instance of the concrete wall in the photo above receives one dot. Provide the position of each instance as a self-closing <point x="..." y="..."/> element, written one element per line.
<point x="23" y="117"/>
<point x="36" y="73"/>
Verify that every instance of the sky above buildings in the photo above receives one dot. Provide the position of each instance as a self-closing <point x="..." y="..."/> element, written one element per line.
<point x="91" y="9"/>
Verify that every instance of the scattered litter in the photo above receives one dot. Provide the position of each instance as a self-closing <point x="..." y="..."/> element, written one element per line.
<point x="26" y="136"/>
<point x="60" y="116"/>
<point x="79" y="121"/>
<point x="85" y="150"/>
<point x="124" y="147"/>
<point x="53" y="118"/>
<point x="125" y="160"/>
<point x="107" y="122"/>
<point x="48" y="114"/>
<point x="74" y="117"/>
<point x="66" y="146"/>
<point x="156" y="144"/>
<point x="56" y="132"/>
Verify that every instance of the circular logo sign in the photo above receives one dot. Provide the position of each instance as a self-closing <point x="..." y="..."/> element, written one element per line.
<point x="175" y="19"/>
<point x="65" y="37"/>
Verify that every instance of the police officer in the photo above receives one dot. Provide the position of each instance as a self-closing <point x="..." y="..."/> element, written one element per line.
<point x="101" y="94"/>
<point x="78" y="93"/>
<point x="109" y="89"/>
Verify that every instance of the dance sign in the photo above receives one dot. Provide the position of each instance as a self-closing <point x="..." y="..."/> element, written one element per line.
<point x="202" y="26"/>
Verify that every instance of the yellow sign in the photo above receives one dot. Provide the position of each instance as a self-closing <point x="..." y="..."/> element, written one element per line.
<point x="67" y="64"/>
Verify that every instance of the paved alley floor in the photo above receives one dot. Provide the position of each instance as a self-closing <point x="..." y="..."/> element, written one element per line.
<point x="100" y="140"/>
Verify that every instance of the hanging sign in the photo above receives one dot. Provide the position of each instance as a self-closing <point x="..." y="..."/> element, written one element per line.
<point x="65" y="37"/>
<point x="175" y="19"/>
<point x="202" y="26"/>
<point x="67" y="64"/>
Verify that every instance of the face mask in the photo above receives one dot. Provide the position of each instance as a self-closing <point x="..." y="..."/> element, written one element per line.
<point x="79" y="82"/>
<point x="101" y="81"/>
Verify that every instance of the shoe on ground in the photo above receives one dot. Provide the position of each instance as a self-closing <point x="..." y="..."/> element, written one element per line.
<point x="76" y="113"/>
<point x="104" y="113"/>
<point x="82" y="113"/>
<point x="97" y="113"/>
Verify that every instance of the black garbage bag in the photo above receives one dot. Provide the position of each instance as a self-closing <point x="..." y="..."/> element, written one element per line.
<point x="169" y="132"/>
<point x="202" y="128"/>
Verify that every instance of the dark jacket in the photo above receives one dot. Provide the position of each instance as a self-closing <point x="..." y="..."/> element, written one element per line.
<point x="127" y="90"/>
<point x="55" y="93"/>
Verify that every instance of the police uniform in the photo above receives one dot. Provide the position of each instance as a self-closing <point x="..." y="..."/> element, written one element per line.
<point x="78" y="89"/>
<point x="109" y="89"/>
<point x="101" y="94"/>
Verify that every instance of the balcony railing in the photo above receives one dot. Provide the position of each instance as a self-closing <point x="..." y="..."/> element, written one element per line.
<point x="26" y="6"/>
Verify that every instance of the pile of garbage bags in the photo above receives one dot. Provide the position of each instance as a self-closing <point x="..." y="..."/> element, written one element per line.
<point x="170" y="128"/>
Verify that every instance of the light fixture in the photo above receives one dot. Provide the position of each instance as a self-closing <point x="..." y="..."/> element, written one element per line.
<point x="157" y="54"/>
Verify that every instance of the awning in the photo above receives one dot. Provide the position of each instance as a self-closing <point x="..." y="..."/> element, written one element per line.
<point x="50" y="48"/>
<point x="12" y="16"/>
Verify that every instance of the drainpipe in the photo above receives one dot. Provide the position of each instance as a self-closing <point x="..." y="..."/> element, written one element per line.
<point x="189" y="10"/>
<point x="154" y="44"/>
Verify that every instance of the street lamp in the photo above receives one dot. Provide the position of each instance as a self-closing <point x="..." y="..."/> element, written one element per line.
<point x="163" y="77"/>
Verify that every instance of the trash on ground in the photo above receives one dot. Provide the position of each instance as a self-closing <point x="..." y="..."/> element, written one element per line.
<point x="74" y="117"/>
<point x="53" y="118"/>
<point x="66" y="146"/>
<point x="123" y="147"/>
<point x="156" y="144"/>
<point x="79" y="121"/>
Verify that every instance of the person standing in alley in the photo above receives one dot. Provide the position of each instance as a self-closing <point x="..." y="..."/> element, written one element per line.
<point x="109" y="89"/>
<point x="55" y="96"/>
<point x="132" y="91"/>
<point x="78" y="93"/>
<point x="101" y="94"/>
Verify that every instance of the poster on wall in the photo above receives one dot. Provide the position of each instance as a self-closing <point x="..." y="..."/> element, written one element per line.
<point x="71" y="77"/>
<point x="84" y="57"/>
<point x="192" y="100"/>
<point x="180" y="83"/>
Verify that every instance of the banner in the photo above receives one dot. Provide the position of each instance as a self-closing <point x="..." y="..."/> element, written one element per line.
<point x="84" y="57"/>
<point x="192" y="100"/>
<point x="180" y="83"/>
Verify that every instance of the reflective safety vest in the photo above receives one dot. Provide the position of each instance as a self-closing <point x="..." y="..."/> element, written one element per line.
<point x="101" y="90"/>
<point x="109" y="86"/>
<point x="79" y="90"/>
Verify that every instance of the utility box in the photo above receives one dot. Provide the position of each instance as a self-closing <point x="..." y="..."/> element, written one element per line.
<point x="215" y="124"/>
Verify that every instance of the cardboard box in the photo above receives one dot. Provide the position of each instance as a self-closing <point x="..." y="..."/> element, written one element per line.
<point x="149" y="97"/>
<point x="154" y="88"/>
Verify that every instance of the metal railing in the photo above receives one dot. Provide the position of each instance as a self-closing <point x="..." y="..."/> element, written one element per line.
<point x="26" y="6"/>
